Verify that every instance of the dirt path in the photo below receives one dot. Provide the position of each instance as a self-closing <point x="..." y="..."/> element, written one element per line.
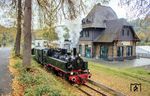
<point x="5" y="76"/>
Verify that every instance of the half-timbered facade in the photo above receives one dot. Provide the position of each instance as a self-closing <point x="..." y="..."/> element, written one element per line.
<point x="105" y="36"/>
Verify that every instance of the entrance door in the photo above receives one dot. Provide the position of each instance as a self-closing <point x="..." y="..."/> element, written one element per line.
<point x="80" y="49"/>
<point x="87" y="51"/>
<point x="104" y="52"/>
<point x="129" y="51"/>
<point x="120" y="51"/>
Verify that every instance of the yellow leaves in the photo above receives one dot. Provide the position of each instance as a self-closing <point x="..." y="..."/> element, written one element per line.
<point x="9" y="33"/>
<point x="18" y="89"/>
<point x="11" y="30"/>
<point x="141" y="35"/>
<point x="46" y="33"/>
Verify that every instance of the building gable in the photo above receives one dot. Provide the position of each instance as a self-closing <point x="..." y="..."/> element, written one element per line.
<point x="114" y="29"/>
<point x="90" y="33"/>
<point x="127" y="34"/>
<point x="103" y="17"/>
<point x="97" y="16"/>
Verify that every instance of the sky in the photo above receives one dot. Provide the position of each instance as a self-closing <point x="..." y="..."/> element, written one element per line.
<point x="121" y="12"/>
<point x="74" y="26"/>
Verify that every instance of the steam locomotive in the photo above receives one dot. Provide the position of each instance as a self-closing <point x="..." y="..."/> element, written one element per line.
<point x="69" y="66"/>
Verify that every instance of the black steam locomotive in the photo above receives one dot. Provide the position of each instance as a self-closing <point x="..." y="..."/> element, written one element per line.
<point x="67" y="65"/>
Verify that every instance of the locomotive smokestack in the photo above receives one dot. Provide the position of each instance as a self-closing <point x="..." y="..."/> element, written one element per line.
<point x="74" y="52"/>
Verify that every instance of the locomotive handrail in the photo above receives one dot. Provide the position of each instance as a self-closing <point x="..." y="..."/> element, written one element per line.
<point x="57" y="59"/>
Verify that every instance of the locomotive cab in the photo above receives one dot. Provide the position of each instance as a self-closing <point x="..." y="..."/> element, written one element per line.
<point x="40" y="54"/>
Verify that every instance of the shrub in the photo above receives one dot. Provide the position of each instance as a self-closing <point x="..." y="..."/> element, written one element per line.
<point x="37" y="81"/>
<point x="40" y="90"/>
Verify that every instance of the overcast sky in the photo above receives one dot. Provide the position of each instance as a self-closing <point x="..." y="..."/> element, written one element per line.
<point x="121" y="13"/>
<point x="74" y="26"/>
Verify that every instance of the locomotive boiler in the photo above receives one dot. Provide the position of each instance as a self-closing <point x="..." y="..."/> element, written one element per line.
<point x="67" y="65"/>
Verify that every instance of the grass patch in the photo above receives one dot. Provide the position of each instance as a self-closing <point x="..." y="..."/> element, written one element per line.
<point x="121" y="78"/>
<point x="37" y="81"/>
<point x="137" y="73"/>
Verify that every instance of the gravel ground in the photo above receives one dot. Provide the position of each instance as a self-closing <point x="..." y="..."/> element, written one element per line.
<point x="5" y="76"/>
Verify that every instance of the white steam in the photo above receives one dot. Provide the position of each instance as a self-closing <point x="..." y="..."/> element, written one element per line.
<point x="74" y="27"/>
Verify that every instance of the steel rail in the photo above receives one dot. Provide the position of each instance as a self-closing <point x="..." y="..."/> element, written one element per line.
<point x="115" y="92"/>
<point x="95" y="90"/>
<point x="85" y="92"/>
<point x="88" y="94"/>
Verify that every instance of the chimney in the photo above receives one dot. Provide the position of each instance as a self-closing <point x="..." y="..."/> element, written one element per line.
<point x="99" y="4"/>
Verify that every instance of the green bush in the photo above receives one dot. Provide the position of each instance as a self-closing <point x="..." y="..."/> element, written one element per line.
<point x="38" y="82"/>
<point x="28" y="79"/>
<point x="42" y="90"/>
<point x="17" y="65"/>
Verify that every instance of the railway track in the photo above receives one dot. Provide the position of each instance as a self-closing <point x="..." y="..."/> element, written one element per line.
<point x="106" y="88"/>
<point x="98" y="89"/>
<point x="89" y="93"/>
<point x="107" y="91"/>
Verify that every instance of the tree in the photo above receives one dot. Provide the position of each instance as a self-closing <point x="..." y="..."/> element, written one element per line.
<point x="139" y="8"/>
<point x="15" y="7"/>
<point x="18" y="36"/>
<point x="9" y="33"/>
<point x="50" y="9"/>
<point x="48" y="13"/>
<point x="50" y="34"/>
<point x="27" y="33"/>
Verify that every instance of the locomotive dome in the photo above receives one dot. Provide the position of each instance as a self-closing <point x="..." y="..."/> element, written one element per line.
<point x="98" y="15"/>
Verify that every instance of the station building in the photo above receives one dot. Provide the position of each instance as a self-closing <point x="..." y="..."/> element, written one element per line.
<point x="105" y="36"/>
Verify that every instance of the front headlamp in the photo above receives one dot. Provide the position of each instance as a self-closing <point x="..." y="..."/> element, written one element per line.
<point x="71" y="73"/>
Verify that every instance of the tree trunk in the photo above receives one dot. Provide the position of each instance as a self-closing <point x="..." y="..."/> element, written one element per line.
<point x="27" y="34"/>
<point x="18" y="36"/>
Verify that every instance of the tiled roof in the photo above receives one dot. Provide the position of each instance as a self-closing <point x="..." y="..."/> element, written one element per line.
<point x="98" y="15"/>
<point x="113" y="28"/>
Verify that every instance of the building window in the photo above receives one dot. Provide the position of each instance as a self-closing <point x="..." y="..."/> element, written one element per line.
<point x="123" y="32"/>
<point x="39" y="45"/>
<point x="80" y="49"/>
<point x="81" y="34"/>
<point x="128" y="32"/>
<point x="83" y="21"/>
<point x="88" y="20"/>
<point x="86" y="33"/>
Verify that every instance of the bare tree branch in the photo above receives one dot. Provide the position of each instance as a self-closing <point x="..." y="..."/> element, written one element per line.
<point x="139" y="8"/>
